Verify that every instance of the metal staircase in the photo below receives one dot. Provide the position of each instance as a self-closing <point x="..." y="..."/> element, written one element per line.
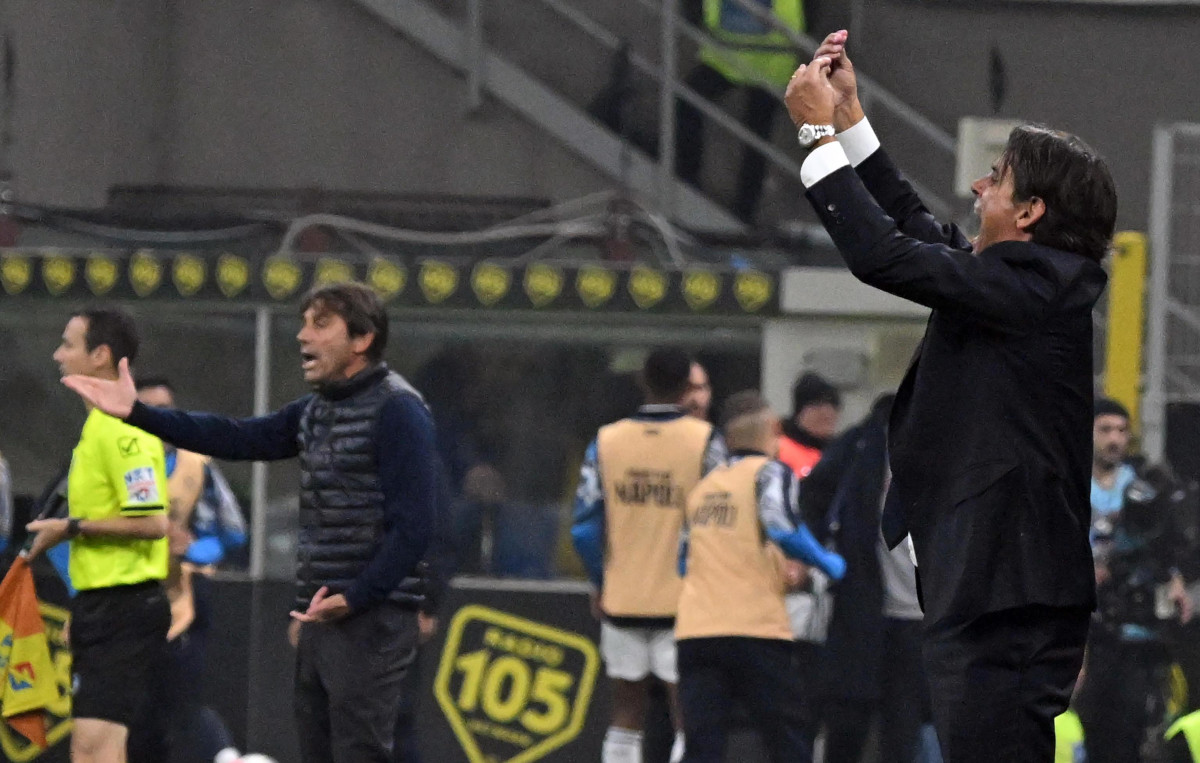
<point x="545" y="58"/>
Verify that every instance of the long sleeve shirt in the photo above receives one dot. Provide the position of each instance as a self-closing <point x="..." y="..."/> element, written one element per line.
<point x="406" y="458"/>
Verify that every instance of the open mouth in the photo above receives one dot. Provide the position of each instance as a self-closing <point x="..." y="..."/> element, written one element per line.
<point x="308" y="360"/>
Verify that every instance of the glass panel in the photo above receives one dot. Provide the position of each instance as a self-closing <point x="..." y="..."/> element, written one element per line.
<point x="516" y="404"/>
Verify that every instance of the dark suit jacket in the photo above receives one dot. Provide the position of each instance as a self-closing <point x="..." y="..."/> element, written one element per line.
<point x="990" y="437"/>
<point x="850" y="473"/>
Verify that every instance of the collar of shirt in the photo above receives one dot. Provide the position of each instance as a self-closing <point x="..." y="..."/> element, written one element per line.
<point x="659" y="412"/>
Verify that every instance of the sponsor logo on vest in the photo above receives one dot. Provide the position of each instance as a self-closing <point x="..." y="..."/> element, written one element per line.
<point x="513" y="690"/>
<point x="715" y="510"/>
<point x="644" y="486"/>
<point x="189" y="274"/>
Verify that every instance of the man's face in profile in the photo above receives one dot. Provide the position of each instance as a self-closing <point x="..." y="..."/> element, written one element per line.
<point x="995" y="208"/>
<point x="1110" y="439"/>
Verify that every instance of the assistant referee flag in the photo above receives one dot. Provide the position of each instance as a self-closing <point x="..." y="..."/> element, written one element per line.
<point x="25" y="666"/>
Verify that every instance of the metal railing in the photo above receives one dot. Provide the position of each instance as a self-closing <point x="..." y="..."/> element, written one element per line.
<point x="1173" y="316"/>
<point x="673" y="28"/>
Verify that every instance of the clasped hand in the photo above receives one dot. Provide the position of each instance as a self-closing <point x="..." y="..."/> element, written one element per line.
<point x="825" y="91"/>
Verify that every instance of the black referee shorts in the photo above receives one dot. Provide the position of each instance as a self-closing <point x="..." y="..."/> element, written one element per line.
<point x="118" y="639"/>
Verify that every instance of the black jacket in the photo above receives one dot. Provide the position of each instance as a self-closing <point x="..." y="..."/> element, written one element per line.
<point x="854" y="465"/>
<point x="990" y="437"/>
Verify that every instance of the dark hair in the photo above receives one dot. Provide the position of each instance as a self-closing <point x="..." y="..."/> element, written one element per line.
<point x="150" y="382"/>
<point x="665" y="373"/>
<point x="1106" y="406"/>
<point x="110" y="326"/>
<point x="812" y="389"/>
<point x="744" y="403"/>
<point x="359" y="306"/>
<point x="1074" y="183"/>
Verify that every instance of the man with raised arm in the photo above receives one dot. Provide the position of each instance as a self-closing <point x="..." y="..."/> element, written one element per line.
<point x="989" y="438"/>
<point x="368" y="492"/>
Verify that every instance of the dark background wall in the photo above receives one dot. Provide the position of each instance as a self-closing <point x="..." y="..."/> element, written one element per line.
<point x="300" y="93"/>
<point x="1107" y="73"/>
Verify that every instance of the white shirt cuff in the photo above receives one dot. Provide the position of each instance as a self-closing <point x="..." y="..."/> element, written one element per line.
<point x="822" y="161"/>
<point x="859" y="141"/>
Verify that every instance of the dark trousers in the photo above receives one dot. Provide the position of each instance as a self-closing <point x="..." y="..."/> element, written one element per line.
<point x="998" y="682"/>
<point x="1122" y="697"/>
<point x="407" y="747"/>
<point x="760" y="674"/>
<point x="349" y="683"/>
<point x="903" y="698"/>
<point x="758" y="117"/>
<point x="178" y="727"/>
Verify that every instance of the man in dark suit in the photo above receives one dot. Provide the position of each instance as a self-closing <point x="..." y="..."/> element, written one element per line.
<point x="989" y="437"/>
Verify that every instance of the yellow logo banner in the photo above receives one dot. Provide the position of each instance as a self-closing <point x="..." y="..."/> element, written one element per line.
<point x="513" y="689"/>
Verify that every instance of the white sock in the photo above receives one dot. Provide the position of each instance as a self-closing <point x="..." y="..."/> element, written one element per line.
<point x="677" y="748"/>
<point x="622" y="746"/>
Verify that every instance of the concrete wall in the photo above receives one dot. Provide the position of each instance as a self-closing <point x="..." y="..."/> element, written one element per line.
<point x="88" y="95"/>
<point x="1104" y="72"/>
<point x="291" y="93"/>
<point x="858" y="337"/>
<point x="305" y="93"/>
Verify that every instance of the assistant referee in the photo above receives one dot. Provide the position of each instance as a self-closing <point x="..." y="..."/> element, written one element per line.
<point x="117" y="492"/>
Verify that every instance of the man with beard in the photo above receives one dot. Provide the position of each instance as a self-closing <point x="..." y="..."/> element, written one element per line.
<point x="989" y="439"/>
<point x="368" y="492"/>
<point x="1135" y="544"/>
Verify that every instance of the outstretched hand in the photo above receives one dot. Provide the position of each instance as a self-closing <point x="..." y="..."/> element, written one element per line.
<point x="116" y="398"/>
<point x="809" y="97"/>
<point x="847" y="108"/>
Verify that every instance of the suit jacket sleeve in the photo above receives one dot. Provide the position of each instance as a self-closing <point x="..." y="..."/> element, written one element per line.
<point x="1009" y="295"/>
<point x="900" y="201"/>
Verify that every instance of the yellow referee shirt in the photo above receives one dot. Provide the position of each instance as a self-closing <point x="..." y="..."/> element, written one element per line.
<point x="116" y="471"/>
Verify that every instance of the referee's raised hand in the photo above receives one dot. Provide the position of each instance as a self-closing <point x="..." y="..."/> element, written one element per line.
<point x="112" y="396"/>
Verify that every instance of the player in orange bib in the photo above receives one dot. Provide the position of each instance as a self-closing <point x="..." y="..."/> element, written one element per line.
<point x="628" y="515"/>
<point x="732" y="629"/>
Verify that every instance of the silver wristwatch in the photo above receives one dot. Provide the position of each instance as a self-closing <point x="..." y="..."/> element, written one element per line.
<point x="810" y="134"/>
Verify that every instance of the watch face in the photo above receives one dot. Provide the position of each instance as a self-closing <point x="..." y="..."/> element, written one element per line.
<point x="808" y="135"/>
